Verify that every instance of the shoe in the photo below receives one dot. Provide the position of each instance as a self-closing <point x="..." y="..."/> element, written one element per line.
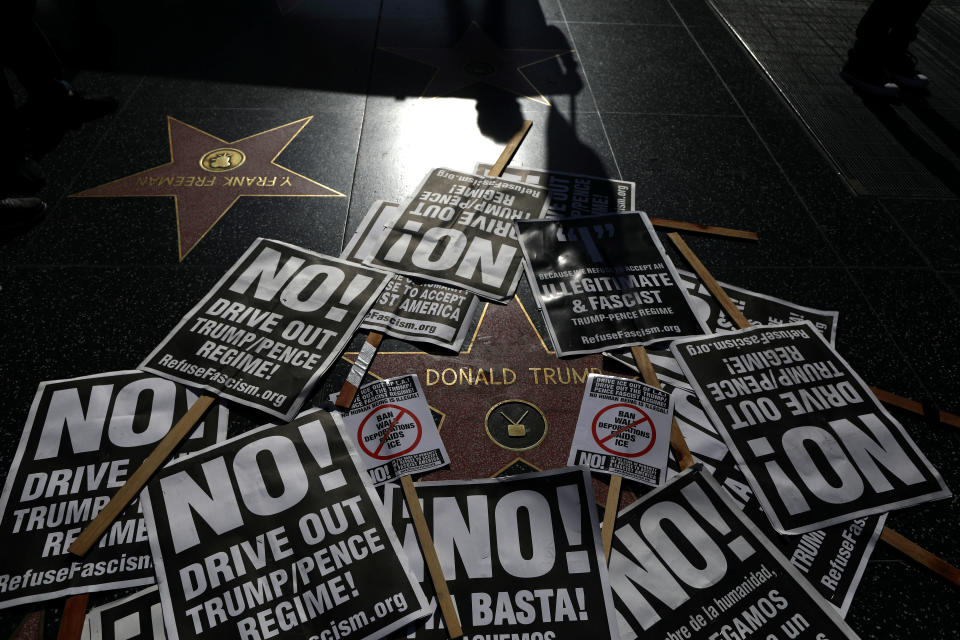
<point x="870" y="79"/>
<point x="902" y="67"/>
<point x="20" y="212"/>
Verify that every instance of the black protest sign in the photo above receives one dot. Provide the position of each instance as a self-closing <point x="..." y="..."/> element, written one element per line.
<point x="270" y="328"/>
<point x="604" y="282"/>
<point x="82" y="439"/>
<point x="277" y="531"/>
<point x="136" y="617"/>
<point x="831" y="559"/>
<point x="572" y="194"/>
<point x="686" y="563"/>
<point x="410" y="309"/>
<point x="759" y="308"/>
<point x="458" y="229"/>
<point x="814" y="443"/>
<point x="521" y="556"/>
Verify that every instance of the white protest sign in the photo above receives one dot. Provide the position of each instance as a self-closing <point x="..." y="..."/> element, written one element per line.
<point x="623" y="428"/>
<point x="813" y="441"/>
<point x="272" y="325"/>
<point x="521" y="556"/>
<point x="687" y="564"/>
<point x="394" y="430"/>
<point x="410" y="309"/>
<point x="457" y="229"/>
<point x="277" y="530"/>
<point x="83" y="438"/>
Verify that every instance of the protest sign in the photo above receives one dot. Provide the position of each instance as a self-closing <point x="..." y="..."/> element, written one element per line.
<point x="457" y="229"/>
<point x="393" y="427"/>
<point x="521" y="555"/>
<point x="270" y="327"/>
<point x="759" y="308"/>
<point x="814" y="443"/>
<point x="831" y="559"/>
<point x="572" y="194"/>
<point x="686" y="563"/>
<point x="410" y="309"/>
<point x="82" y="438"/>
<point x="277" y="530"/>
<point x="136" y="617"/>
<point x="623" y="428"/>
<point x="604" y="282"/>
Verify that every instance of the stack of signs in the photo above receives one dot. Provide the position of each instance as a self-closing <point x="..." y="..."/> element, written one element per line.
<point x="572" y="194"/>
<point x="457" y="229"/>
<point x="624" y="429"/>
<point x="270" y="327"/>
<point x="82" y="439"/>
<point x="521" y="556"/>
<point x="136" y="617"/>
<point x="277" y="531"/>
<point x="410" y="309"/>
<point x="759" y="308"/>
<point x="811" y="438"/>
<point x="686" y="563"/>
<point x="604" y="282"/>
<point x="831" y="559"/>
<point x="394" y="429"/>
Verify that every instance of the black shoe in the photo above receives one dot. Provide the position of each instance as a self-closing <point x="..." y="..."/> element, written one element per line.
<point x="902" y="67"/>
<point x="870" y="79"/>
<point x="16" y="213"/>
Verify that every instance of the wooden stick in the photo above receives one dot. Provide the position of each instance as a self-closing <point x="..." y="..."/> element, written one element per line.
<point x="450" y="617"/>
<point x="888" y="535"/>
<point x="704" y="228"/>
<point x="507" y="154"/>
<point x="921" y="555"/>
<point x="717" y="291"/>
<point x="135" y="482"/>
<point x="74" y="613"/>
<point x="914" y="406"/>
<point x="677" y="442"/>
<point x="610" y="515"/>
<point x="359" y="369"/>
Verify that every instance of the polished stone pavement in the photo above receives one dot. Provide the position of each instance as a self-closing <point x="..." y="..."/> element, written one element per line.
<point x="654" y="91"/>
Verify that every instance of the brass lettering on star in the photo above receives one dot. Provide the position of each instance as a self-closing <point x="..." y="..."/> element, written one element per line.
<point x="469" y="376"/>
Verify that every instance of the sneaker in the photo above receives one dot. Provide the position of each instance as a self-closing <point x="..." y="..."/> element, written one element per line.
<point x="16" y="213"/>
<point x="902" y="67"/>
<point x="870" y="79"/>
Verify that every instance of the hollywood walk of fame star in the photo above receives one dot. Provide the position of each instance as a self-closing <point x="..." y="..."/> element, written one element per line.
<point x="477" y="58"/>
<point x="206" y="175"/>
<point x="505" y="345"/>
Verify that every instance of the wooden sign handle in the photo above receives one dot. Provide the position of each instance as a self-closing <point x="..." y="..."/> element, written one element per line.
<point x="359" y="369"/>
<point x="510" y="149"/>
<point x="71" y="621"/>
<point x="610" y="515"/>
<point x="888" y="535"/>
<point x="704" y="228"/>
<point x="450" y="617"/>
<point x="135" y="482"/>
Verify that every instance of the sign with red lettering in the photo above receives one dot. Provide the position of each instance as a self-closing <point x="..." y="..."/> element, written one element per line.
<point x="395" y="431"/>
<point x="624" y="429"/>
